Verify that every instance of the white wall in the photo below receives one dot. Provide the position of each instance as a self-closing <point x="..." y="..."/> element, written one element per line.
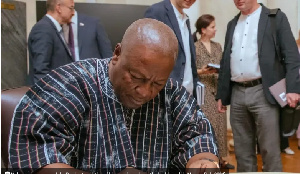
<point x="136" y="2"/>
<point x="30" y="19"/>
<point x="193" y="12"/>
<point x="223" y="11"/>
<point x="30" y="14"/>
<point x="291" y="9"/>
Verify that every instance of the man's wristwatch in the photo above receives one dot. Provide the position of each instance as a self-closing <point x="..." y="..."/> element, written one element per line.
<point x="216" y="163"/>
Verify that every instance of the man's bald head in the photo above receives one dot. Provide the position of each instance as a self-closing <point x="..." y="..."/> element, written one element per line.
<point x="61" y="10"/>
<point x="50" y="5"/>
<point x="152" y="34"/>
<point x="142" y="63"/>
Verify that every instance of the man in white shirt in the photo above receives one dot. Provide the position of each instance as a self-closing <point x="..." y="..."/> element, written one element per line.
<point x="171" y="13"/>
<point x="250" y="65"/>
<point x="47" y="47"/>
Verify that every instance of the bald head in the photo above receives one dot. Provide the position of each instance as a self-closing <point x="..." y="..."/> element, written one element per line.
<point x="152" y="34"/>
<point x="50" y="4"/>
<point x="61" y="10"/>
<point x="142" y="63"/>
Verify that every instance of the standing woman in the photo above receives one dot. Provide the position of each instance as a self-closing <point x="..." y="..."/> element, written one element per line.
<point x="208" y="51"/>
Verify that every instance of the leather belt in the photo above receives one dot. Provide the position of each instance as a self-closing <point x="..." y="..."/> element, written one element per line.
<point x="249" y="83"/>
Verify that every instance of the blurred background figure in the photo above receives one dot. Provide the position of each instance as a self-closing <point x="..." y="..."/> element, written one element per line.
<point x="285" y="145"/>
<point x="298" y="131"/>
<point x="171" y="13"/>
<point x="87" y="38"/>
<point x="208" y="51"/>
<point x="298" y="42"/>
<point x="46" y="44"/>
<point x="249" y="66"/>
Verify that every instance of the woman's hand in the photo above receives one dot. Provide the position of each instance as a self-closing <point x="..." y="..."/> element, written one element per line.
<point x="206" y="70"/>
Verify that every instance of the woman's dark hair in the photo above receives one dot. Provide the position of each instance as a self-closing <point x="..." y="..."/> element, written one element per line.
<point x="195" y="36"/>
<point x="203" y="22"/>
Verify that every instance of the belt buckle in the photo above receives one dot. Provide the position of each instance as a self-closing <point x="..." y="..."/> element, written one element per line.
<point x="244" y="84"/>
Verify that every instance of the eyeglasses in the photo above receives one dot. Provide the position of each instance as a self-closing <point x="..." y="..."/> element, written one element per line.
<point x="71" y="8"/>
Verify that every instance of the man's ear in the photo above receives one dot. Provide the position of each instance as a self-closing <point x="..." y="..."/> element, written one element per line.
<point x="118" y="50"/>
<point x="57" y="8"/>
<point x="117" y="53"/>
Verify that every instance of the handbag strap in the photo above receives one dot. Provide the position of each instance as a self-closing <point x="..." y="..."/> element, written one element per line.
<point x="272" y="16"/>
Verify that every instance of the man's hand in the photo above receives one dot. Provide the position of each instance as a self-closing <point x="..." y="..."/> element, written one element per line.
<point x="61" y="167"/>
<point x="201" y="166"/>
<point x="201" y="163"/>
<point x="131" y="170"/>
<point x="292" y="99"/>
<point x="221" y="108"/>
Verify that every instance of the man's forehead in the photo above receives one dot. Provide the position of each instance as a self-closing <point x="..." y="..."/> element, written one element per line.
<point x="144" y="73"/>
<point x="67" y="1"/>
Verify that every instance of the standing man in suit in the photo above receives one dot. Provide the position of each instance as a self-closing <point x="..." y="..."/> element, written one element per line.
<point x="46" y="44"/>
<point x="249" y="67"/>
<point x="171" y="13"/>
<point x="90" y="38"/>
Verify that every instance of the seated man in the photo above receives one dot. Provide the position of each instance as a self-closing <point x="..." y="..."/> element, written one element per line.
<point x="114" y="114"/>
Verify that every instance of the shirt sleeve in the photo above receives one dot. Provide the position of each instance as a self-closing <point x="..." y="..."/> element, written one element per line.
<point x="45" y="122"/>
<point x="288" y="49"/>
<point x="192" y="131"/>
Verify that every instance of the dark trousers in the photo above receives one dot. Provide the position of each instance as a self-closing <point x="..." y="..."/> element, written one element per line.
<point x="284" y="141"/>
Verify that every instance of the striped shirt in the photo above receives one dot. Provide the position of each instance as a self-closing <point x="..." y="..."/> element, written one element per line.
<point x="73" y="116"/>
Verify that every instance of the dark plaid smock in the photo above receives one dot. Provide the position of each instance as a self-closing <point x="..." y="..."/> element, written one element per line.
<point x="73" y="116"/>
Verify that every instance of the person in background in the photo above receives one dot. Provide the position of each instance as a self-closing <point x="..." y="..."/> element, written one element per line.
<point x="298" y="42"/>
<point x="284" y="144"/>
<point x="249" y="66"/>
<point x="119" y="114"/>
<point x="195" y="36"/>
<point x="284" y="141"/>
<point x="298" y="130"/>
<point x="208" y="51"/>
<point x="88" y="38"/>
<point x="46" y="44"/>
<point x="171" y="13"/>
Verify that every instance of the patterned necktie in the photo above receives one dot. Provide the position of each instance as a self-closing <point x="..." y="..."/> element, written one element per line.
<point x="71" y="41"/>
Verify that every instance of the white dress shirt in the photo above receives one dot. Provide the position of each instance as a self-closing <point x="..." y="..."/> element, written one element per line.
<point x="185" y="34"/>
<point x="59" y="29"/>
<point x="244" y="62"/>
<point x="75" y="33"/>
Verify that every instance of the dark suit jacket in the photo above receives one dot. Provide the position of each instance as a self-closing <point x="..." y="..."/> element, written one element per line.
<point x="47" y="50"/>
<point x="272" y="69"/>
<point x="93" y="41"/>
<point x="163" y="11"/>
